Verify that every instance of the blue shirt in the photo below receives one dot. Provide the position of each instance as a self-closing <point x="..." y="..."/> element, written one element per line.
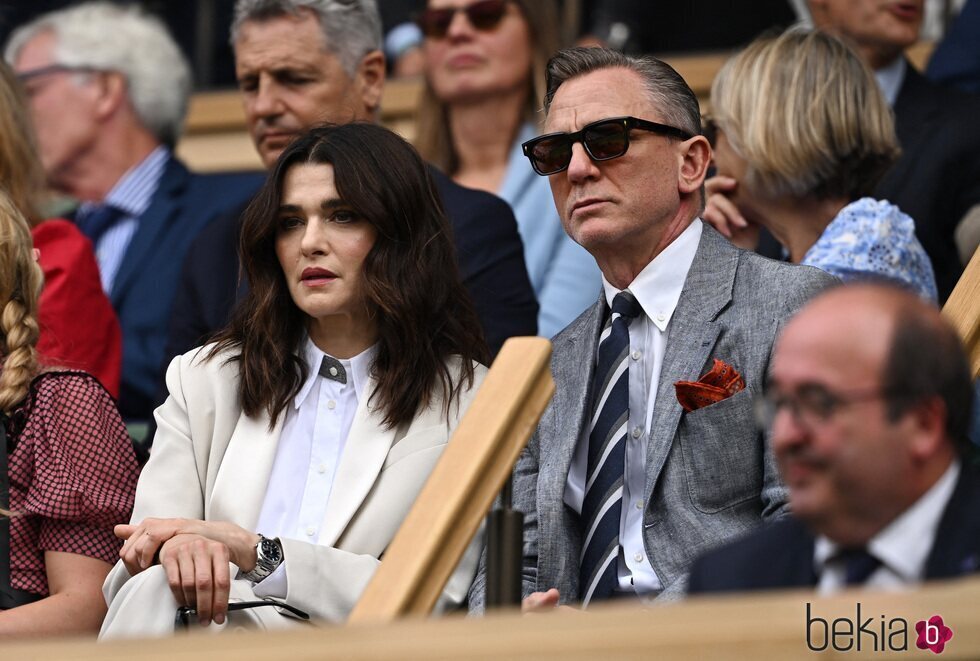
<point x="873" y="239"/>
<point x="563" y="274"/>
<point x="132" y="195"/>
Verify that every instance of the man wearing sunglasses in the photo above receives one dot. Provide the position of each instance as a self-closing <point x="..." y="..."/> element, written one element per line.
<point x="868" y="401"/>
<point x="621" y="487"/>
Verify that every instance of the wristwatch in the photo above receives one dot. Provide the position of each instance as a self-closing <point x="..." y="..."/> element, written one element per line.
<point x="268" y="556"/>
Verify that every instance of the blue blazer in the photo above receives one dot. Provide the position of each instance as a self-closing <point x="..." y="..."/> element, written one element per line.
<point x="781" y="554"/>
<point x="143" y="291"/>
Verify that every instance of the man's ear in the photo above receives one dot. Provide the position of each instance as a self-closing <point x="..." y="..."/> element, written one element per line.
<point x="370" y="82"/>
<point x="695" y="157"/>
<point x="927" y="421"/>
<point x="112" y="93"/>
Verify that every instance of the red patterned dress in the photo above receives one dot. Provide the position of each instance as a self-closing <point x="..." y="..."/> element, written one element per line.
<point x="72" y="475"/>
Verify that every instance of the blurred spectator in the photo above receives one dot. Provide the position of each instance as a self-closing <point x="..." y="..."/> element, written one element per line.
<point x="65" y="461"/>
<point x="108" y="91"/>
<point x="956" y="60"/>
<point x="485" y="64"/>
<point x="936" y="180"/>
<point x="868" y="402"/>
<point x="803" y="135"/>
<point x="79" y="329"/>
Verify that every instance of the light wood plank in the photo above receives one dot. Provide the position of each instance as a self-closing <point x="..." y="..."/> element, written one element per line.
<point x="457" y="496"/>
<point x="962" y="309"/>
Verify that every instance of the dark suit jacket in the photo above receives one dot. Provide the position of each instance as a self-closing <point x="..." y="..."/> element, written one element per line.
<point x="781" y="554"/>
<point x="710" y="474"/>
<point x="491" y="263"/>
<point x="143" y="291"/>
<point x="937" y="178"/>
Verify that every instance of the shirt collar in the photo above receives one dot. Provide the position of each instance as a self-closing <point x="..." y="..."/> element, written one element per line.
<point x="890" y="78"/>
<point x="357" y="367"/>
<point x="134" y="190"/>
<point x="904" y="544"/>
<point x="658" y="286"/>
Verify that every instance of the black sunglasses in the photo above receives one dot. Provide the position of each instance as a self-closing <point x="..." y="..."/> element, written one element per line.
<point x="603" y="140"/>
<point x="182" y="620"/>
<point x="484" y="15"/>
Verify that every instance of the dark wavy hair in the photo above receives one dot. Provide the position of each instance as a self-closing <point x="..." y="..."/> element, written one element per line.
<point x="411" y="280"/>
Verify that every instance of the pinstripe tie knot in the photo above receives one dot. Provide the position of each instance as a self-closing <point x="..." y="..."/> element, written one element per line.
<point x="625" y="305"/>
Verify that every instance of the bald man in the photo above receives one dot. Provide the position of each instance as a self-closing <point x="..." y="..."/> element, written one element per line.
<point x="868" y="400"/>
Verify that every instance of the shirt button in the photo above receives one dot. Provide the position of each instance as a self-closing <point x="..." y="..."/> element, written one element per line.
<point x="638" y="557"/>
<point x="331" y="404"/>
<point x="333" y="371"/>
<point x="661" y="316"/>
<point x="636" y="432"/>
<point x="321" y="469"/>
<point x="639" y="504"/>
<point x="310" y="531"/>
<point x="637" y="355"/>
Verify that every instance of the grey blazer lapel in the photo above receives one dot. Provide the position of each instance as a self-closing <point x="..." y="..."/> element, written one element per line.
<point x="691" y="336"/>
<point x="573" y="366"/>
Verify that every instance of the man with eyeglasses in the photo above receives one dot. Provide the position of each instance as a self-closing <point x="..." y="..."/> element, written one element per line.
<point x="648" y="453"/>
<point x="868" y="402"/>
<point x="108" y="90"/>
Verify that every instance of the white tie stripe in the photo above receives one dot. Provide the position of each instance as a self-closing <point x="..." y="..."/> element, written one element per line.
<point x="613" y="498"/>
<point x="613" y="554"/>
<point x="616" y="435"/>
<point x="620" y="368"/>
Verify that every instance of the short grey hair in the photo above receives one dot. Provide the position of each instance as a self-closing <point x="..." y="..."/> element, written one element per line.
<point x="126" y="40"/>
<point x="665" y="87"/>
<point x="351" y="28"/>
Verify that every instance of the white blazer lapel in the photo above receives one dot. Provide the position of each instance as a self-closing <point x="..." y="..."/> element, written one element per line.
<point x="364" y="453"/>
<point x="243" y="478"/>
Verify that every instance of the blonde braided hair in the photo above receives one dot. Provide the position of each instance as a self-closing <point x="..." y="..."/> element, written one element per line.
<point x="20" y="285"/>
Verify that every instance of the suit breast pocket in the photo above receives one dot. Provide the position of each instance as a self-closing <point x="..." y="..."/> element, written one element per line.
<point x="723" y="453"/>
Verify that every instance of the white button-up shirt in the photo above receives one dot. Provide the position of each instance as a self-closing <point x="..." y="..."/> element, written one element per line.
<point x="903" y="546"/>
<point x="657" y="289"/>
<point x="314" y="433"/>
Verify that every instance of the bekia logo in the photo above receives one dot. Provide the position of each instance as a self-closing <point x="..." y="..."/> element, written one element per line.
<point x="933" y="634"/>
<point x="876" y="633"/>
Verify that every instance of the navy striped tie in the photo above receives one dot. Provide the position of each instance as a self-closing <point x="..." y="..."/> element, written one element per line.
<point x="603" y="502"/>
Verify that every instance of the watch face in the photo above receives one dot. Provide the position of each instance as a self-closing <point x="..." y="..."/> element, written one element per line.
<point x="271" y="551"/>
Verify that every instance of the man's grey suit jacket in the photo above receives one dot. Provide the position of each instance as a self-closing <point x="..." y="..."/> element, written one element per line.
<point x="710" y="474"/>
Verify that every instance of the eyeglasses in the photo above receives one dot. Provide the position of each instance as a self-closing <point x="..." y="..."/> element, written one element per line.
<point x="484" y="15"/>
<point x="709" y="129"/>
<point x="182" y="620"/>
<point x="603" y="140"/>
<point x="810" y="405"/>
<point x="31" y="74"/>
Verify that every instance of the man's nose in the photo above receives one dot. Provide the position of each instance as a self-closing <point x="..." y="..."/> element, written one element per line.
<point x="266" y="102"/>
<point x="581" y="166"/>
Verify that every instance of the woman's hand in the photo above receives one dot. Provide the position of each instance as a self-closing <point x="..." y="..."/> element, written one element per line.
<point x="198" y="574"/>
<point x="722" y="214"/>
<point x="145" y="540"/>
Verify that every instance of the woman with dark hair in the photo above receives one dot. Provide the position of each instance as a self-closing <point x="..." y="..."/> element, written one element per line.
<point x="294" y="445"/>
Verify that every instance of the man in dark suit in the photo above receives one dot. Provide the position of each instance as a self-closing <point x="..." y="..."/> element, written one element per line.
<point x="937" y="179"/>
<point x="868" y="401"/>
<point x="302" y="63"/>
<point x="631" y="472"/>
<point x="108" y="112"/>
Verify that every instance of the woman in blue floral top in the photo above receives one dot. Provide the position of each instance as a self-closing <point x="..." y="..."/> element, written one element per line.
<point x="803" y="136"/>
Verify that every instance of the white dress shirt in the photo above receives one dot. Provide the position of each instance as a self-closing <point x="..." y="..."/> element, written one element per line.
<point x="657" y="289"/>
<point x="903" y="546"/>
<point x="314" y="433"/>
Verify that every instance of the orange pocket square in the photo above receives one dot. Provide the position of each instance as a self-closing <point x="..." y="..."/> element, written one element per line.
<point x="721" y="382"/>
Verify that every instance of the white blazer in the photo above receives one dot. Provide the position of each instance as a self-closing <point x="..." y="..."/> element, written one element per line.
<point x="210" y="461"/>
